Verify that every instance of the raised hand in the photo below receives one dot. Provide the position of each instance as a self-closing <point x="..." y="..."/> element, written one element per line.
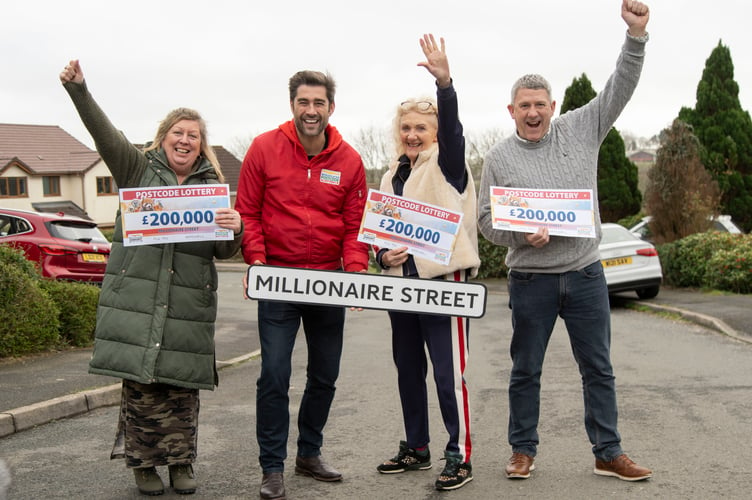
<point x="72" y="73"/>
<point x="436" y="60"/>
<point x="636" y="15"/>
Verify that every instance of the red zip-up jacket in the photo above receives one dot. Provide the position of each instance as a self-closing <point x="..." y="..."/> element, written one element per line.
<point x="299" y="212"/>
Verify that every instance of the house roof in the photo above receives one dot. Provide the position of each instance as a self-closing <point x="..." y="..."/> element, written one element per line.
<point x="230" y="167"/>
<point x="43" y="150"/>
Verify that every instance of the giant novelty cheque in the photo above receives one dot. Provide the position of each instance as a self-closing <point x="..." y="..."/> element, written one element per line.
<point x="173" y="214"/>
<point x="565" y="212"/>
<point x="391" y="221"/>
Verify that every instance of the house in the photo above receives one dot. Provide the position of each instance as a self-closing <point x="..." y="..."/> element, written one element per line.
<point x="642" y="156"/>
<point x="44" y="168"/>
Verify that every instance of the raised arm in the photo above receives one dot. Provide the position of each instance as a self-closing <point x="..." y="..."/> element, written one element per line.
<point x="450" y="134"/>
<point x="125" y="161"/>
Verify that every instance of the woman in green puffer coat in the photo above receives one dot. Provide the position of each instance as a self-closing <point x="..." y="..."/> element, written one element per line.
<point x="155" y="320"/>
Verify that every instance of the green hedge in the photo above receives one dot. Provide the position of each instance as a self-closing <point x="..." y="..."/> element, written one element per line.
<point x="491" y="259"/>
<point x="731" y="269"/>
<point x="78" y="310"/>
<point x="15" y="257"/>
<point x="28" y="317"/>
<point x="38" y="314"/>
<point x="709" y="260"/>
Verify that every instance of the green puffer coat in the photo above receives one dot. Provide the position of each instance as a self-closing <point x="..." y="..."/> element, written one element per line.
<point x="155" y="320"/>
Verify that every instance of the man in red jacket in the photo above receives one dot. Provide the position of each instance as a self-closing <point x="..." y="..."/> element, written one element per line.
<point x="301" y="195"/>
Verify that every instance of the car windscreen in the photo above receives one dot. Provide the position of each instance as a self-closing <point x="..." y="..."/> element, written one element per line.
<point x="615" y="234"/>
<point x="73" y="231"/>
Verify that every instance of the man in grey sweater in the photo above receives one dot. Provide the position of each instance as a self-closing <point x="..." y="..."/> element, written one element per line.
<point x="554" y="275"/>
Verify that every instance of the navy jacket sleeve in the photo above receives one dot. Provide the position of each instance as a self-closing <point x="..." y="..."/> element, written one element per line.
<point x="451" y="140"/>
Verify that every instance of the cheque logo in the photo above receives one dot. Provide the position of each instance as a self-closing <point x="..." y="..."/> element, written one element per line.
<point x="442" y="256"/>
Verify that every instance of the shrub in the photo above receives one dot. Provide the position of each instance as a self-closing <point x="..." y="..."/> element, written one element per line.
<point x="16" y="258"/>
<point x="709" y="260"/>
<point x="108" y="233"/>
<point x="631" y="220"/>
<point x="78" y="310"/>
<point x="684" y="261"/>
<point x="28" y="316"/>
<point x="731" y="269"/>
<point x="491" y="259"/>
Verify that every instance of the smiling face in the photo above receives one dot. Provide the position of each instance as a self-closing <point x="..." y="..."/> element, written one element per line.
<point x="311" y="110"/>
<point x="532" y="111"/>
<point x="182" y="145"/>
<point x="417" y="132"/>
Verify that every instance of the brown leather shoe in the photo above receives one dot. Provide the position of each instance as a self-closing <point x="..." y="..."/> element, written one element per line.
<point x="273" y="486"/>
<point x="623" y="468"/>
<point x="519" y="466"/>
<point x="316" y="468"/>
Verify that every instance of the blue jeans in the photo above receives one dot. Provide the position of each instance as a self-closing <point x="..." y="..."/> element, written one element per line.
<point x="581" y="299"/>
<point x="278" y="324"/>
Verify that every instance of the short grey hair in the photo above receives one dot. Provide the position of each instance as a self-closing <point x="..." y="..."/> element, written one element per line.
<point x="532" y="82"/>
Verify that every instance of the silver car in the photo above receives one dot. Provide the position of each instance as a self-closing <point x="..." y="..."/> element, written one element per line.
<point x="721" y="223"/>
<point x="629" y="262"/>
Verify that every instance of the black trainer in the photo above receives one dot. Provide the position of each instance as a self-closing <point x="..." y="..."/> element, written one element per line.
<point x="456" y="472"/>
<point x="406" y="459"/>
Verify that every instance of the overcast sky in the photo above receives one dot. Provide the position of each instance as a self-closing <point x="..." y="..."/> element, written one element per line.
<point x="231" y="60"/>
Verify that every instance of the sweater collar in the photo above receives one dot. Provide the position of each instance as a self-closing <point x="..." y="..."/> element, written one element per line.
<point x="543" y="140"/>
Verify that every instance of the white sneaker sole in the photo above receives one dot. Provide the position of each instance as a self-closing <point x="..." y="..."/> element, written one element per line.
<point x="459" y="485"/>
<point x="399" y="471"/>
<point x="608" y="473"/>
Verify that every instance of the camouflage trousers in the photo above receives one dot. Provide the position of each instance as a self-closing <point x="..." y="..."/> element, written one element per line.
<point x="158" y="425"/>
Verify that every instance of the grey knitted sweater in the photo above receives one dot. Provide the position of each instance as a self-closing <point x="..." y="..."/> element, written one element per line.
<point x="566" y="158"/>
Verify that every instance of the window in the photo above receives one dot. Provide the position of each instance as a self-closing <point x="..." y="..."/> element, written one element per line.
<point x="51" y="185"/>
<point x="13" y="187"/>
<point x="106" y="185"/>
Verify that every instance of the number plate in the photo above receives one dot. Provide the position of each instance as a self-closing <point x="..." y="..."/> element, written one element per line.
<point x="94" y="257"/>
<point x="617" y="262"/>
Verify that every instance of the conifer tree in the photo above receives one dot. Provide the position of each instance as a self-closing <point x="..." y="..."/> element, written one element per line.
<point x="724" y="130"/>
<point x="618" y="192"/>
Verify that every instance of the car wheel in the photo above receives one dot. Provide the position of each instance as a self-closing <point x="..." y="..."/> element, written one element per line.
<point x="648" y="293"/>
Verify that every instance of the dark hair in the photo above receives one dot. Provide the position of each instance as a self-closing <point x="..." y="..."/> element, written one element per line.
<point x="314" y="79"/>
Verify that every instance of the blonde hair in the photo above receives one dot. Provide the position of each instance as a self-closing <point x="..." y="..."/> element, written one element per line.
<point x="421" y="105"/>
<point x="177" y="115"/>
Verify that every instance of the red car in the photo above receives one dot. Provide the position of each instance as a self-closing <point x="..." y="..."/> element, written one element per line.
<point x="65" y="247"/>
